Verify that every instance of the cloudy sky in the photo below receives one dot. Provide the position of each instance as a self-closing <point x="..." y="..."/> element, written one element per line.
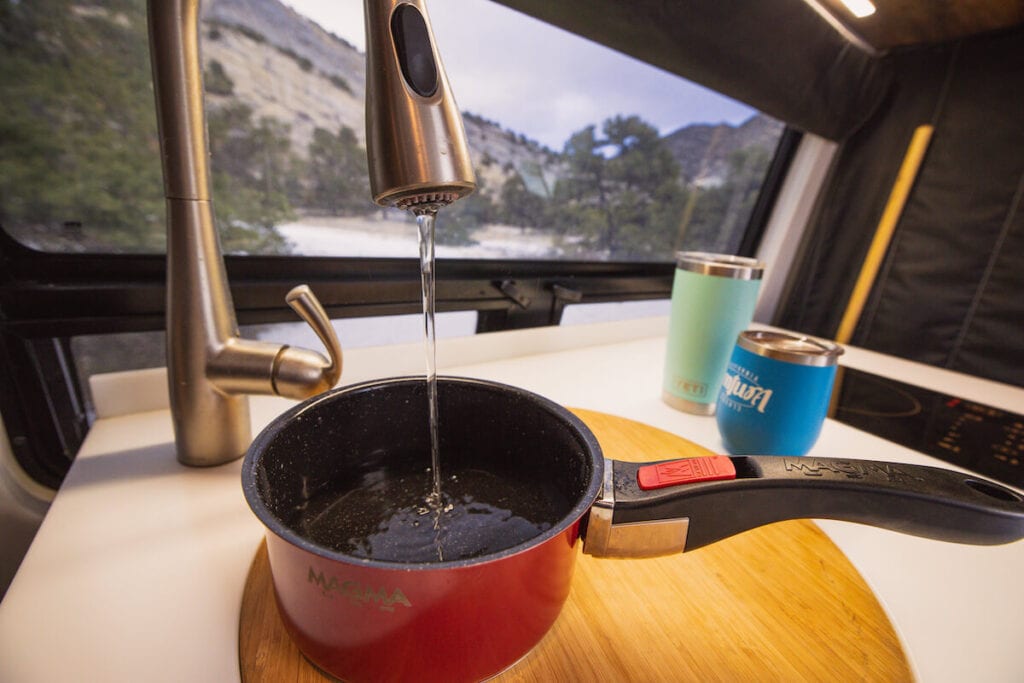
<point x="537" y="79"/>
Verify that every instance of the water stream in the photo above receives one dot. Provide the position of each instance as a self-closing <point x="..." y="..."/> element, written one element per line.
<point x="425" y="221"/>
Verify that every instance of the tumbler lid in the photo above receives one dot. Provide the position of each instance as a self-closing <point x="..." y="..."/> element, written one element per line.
<point x="721" y="265"/>
<point x="790" y="348"/>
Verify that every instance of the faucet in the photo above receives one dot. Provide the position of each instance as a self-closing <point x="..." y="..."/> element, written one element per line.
<point x="415" y="140"/>
<point x="418" y="160"/>
<point x="211" y="369"/>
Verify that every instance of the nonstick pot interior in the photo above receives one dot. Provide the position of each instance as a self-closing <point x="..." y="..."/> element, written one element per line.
<point x="347" y="438"/>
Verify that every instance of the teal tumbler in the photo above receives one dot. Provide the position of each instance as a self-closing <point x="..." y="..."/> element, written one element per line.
<point x="713" y="298"/>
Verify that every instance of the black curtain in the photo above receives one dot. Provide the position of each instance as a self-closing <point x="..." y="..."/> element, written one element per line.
<point x="951" y="289"/>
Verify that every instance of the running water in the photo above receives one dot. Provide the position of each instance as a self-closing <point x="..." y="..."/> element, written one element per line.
<point x="425" y="219"/>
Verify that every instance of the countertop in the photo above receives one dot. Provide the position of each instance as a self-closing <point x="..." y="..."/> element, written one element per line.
<point x="137" y="571"/>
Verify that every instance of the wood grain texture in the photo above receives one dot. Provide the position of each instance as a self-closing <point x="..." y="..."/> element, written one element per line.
<point x="779" y="603"/>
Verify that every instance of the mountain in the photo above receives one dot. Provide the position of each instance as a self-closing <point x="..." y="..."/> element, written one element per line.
<point x="703" y="150"/>
<point x="283" y="66"/>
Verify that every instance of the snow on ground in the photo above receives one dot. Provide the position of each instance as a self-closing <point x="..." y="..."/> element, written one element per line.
<point x="384" y="237"/>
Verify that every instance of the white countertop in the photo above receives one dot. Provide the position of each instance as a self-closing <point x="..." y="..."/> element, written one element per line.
<point x="138" y="569"/>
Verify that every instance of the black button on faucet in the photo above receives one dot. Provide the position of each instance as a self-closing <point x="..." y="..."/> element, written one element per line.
<point x="415" y="53"/>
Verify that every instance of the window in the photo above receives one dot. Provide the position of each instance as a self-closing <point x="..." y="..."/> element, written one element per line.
<point x="593" y="169"/>
<point x="581" y="152"/>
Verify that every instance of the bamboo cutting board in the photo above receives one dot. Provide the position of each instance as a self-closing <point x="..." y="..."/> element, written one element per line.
<point x="779" y="603"/>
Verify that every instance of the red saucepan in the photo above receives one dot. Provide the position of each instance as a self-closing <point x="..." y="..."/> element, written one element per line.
<point x="414" y="618"/>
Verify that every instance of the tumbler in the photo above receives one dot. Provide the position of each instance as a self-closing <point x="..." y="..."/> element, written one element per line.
<point x="713" y="298"/>
<point x="776" y="392"/>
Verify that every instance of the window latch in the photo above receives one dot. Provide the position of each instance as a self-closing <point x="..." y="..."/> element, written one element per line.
<point x="510" y="288"/>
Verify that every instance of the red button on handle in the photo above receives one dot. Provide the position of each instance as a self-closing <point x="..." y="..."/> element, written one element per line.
<point x="685" y="471"/>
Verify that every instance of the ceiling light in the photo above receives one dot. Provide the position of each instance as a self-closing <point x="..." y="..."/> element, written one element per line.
<point x="860" y="8"/>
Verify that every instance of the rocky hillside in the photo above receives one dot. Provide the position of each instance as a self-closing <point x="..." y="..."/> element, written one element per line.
<point x="282" y="65"/>
<point x="703" y="150"/>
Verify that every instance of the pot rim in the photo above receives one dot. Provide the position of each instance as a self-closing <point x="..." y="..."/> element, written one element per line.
<point x="589" y="445"/>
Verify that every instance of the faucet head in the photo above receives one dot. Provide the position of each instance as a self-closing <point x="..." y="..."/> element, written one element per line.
<point x="415" y="139"/>
<point x="424" y="202"/>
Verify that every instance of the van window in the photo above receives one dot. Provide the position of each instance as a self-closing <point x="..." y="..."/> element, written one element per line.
<point x="580" y="152"/>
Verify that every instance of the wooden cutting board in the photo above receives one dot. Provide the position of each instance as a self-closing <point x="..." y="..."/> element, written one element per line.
<point x="779" y="603"/>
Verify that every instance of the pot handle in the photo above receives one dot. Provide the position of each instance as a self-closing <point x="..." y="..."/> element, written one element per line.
<point x="649" y="509"/>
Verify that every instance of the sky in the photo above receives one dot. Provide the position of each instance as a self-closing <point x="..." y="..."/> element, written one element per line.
<point x="537" y="79"/>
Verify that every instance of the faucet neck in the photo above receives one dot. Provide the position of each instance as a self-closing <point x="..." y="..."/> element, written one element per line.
<point x="210" y="370"/>
<point x="178" y="86"/>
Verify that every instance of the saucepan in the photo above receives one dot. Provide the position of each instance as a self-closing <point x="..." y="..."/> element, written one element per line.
<point x="471" y="602"/>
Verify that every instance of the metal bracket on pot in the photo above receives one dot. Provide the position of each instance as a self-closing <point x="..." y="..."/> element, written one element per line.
<point x="652" y="538"/>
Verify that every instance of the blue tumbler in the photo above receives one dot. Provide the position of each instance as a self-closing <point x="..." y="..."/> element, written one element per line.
<point x="775" y="394"/>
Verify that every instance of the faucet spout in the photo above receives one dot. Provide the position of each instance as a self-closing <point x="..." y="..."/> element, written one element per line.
<point x="211" y="369"/>
<point x="415" y="139"/>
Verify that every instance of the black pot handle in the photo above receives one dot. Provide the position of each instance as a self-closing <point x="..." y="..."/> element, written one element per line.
<point x="723" y="496"/>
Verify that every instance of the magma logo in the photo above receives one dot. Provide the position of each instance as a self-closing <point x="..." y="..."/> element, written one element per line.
<point x="358" y="593"/>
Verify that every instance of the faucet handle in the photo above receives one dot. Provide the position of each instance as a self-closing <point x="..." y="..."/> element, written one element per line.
<point x="299" y="373"/>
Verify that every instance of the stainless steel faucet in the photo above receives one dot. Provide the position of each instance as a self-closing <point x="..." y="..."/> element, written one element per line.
<point x="211" y="369"/>
<point x="415" y="140"/>
<point x="418" y="159"/>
